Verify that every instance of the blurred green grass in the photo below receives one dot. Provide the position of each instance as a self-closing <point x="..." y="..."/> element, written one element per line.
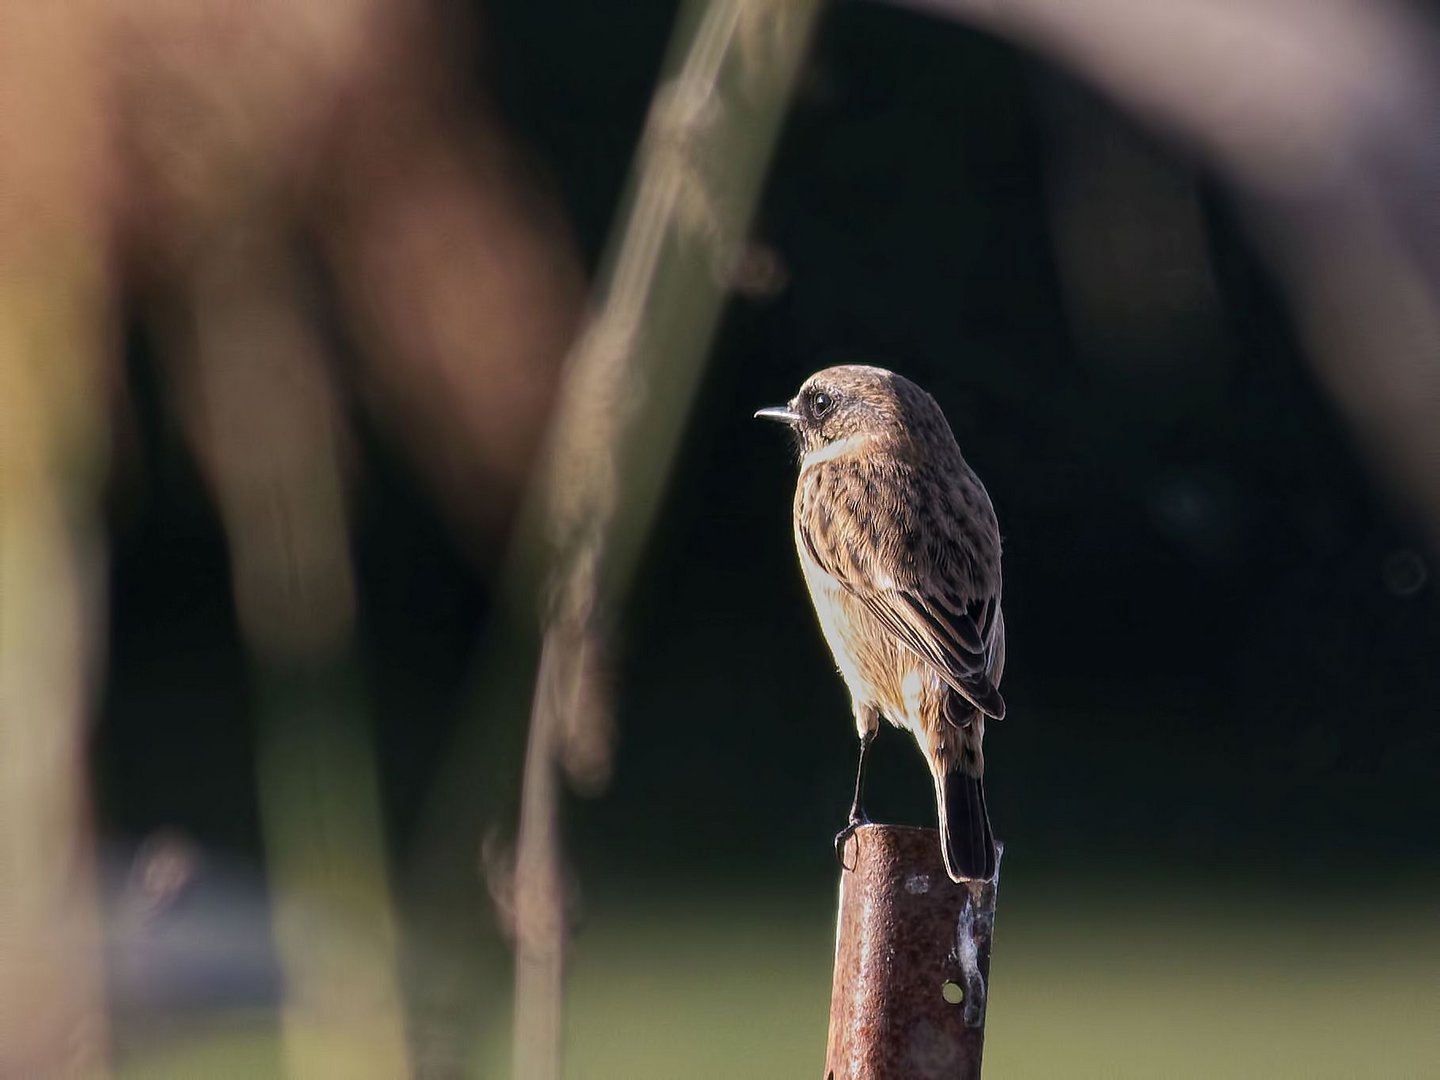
<point x="1099" y="985"/>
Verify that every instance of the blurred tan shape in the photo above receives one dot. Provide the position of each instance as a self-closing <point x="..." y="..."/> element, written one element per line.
<point x="340" y="129"/>
<point x="464" y="295"/>
<point x="257" y="395"/>
<point x="1320" y="114"/>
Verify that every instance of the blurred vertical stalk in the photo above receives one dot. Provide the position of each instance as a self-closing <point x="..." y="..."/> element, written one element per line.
<point x="539" y="908"/>
<point x="334" y="928"/>
<point x="52" y="449"/>
<point x="55" y="354"/>
<point x="629" y="380"/>
<point x="259" y="404"/>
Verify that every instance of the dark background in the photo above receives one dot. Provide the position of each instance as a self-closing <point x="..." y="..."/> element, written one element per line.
<point x="1222" y="633"/>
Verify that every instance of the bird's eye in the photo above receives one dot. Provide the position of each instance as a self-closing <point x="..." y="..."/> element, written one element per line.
<point x="821" y="403"/>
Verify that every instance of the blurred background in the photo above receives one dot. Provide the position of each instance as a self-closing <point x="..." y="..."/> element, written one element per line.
<point x="302" y="318"/>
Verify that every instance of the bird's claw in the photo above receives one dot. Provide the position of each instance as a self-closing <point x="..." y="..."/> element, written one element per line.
<point x="843" y="835"/>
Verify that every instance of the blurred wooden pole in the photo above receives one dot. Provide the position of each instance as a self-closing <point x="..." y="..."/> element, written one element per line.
<point x="678" y="247"/>
<point x="912" y="962"/>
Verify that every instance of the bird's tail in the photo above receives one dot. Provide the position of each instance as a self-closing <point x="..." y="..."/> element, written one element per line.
<point x="965" y="836"/>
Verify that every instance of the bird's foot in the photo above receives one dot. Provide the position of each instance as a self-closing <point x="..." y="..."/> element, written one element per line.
<point x="856" y="820"/>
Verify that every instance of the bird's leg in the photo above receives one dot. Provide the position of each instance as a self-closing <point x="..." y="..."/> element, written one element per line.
<point x="857" y="807"/>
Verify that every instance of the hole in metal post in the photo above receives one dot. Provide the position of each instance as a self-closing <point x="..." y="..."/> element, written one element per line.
<point x="952" y="992"/>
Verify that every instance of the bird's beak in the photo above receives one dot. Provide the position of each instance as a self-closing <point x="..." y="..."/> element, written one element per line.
<point x="783" y="413"/>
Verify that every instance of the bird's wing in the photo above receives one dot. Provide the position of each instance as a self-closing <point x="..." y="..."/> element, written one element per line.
<point x="915" y="602"/>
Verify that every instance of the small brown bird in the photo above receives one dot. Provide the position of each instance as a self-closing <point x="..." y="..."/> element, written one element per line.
<point x="901" y="552"/>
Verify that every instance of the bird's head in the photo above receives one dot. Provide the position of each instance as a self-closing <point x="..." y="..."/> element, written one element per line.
<point x="856" y="407"/>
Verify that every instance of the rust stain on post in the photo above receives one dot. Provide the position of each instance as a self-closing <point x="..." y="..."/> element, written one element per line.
<point x="912" y="962"/>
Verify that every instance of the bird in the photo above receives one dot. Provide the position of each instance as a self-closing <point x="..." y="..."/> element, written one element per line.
<point x="900" y="550"/>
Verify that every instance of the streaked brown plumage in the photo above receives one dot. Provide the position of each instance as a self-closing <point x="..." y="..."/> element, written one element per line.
<point x="901" y="552"/>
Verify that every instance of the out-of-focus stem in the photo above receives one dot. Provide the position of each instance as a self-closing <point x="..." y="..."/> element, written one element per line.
<point x="52" y="1012"/>
<point x="539" y="897"/>
<point x="334" y="927"/>
<point x="261" y="411"/>
<point x="711" y="129"/>
<point x="51" y="1007"/>
<point x="55" y="311"/>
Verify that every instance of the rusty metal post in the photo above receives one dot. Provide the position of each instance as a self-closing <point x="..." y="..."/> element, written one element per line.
<point x="912" y="962"/>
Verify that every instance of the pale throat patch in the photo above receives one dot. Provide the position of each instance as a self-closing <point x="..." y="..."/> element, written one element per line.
<point x="831" y="451"/>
